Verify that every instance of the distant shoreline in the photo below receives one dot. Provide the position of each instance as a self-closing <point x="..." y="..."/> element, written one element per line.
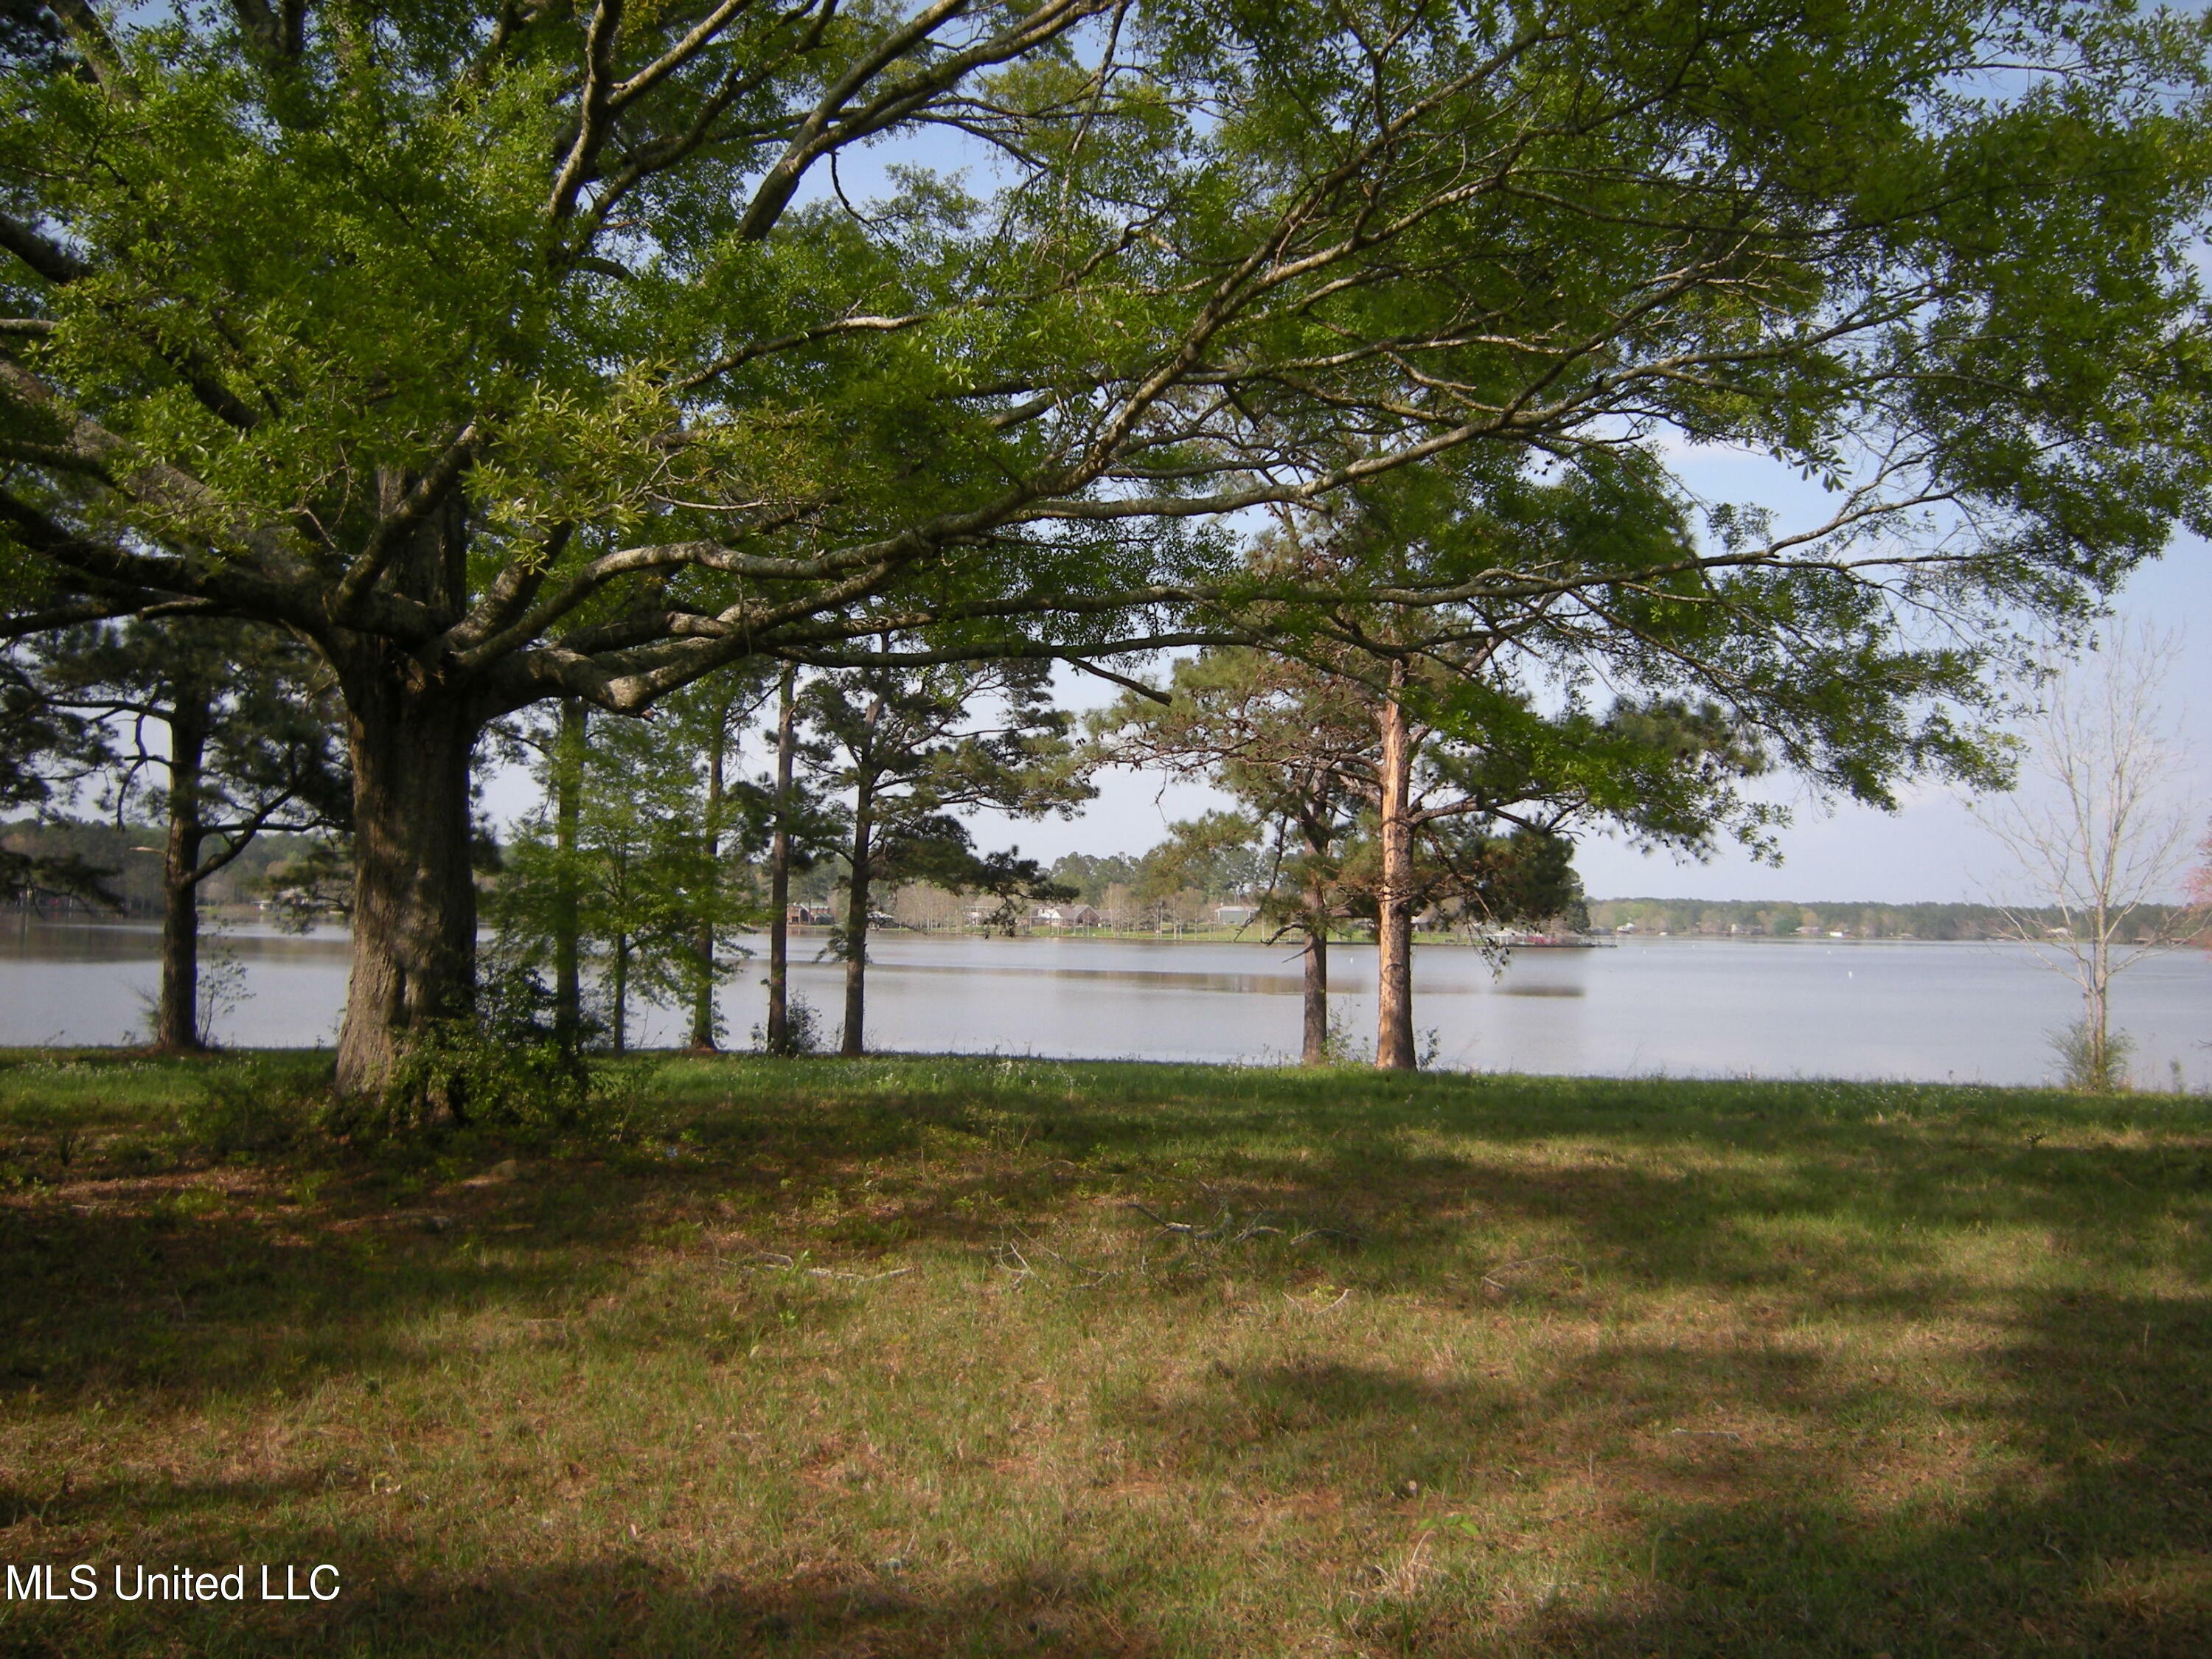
<point x="251" y="929"/>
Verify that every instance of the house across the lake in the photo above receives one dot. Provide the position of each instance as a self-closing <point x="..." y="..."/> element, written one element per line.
<point x="1061" y="915"/>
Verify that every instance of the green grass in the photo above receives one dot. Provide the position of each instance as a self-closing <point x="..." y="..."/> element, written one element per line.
<point x="1010" y="1357"/>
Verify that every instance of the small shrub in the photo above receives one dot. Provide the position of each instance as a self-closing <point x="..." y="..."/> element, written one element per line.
<point x="1345" y="1044"/>
<point x="220" y="987"/>
<point x="2088" y="1069"/>
<point x="802" y="1028"/>
<point x="506" y="1066"/>
<point x="245" y="1111"/>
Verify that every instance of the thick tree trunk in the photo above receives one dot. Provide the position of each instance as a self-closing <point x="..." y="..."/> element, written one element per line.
<point x="778" y="1031"/>
<point x="710" y="877"/>
<point x="567" y="908"/>
<point x="414" y="898"/>
<point x="1393" y="921"/>
<point x="177" y="1024"/>
<point x="852" y="1043"/>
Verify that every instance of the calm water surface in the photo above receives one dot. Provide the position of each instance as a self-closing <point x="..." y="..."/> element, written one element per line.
<point x="1682" y="1006"/>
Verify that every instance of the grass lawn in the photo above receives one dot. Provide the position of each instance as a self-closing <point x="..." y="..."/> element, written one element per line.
<point x="1010" y="1357"/>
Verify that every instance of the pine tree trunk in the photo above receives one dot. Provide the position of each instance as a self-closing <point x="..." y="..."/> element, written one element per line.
<point x="567" y="908"/>
<point x="779" y="876"/>
<point x="415" y="897"/>
<point x="852" y="1043"/>
<point x="177" y="1026"/>
<point x="1315" y="1051"/>
<point x="710" y="877"/>
<point x="1394" y="922"/>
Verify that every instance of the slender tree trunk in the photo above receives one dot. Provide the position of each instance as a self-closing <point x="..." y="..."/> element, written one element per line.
<point x="177" y="1025"/>
<point x="1393" y="921"/>
<point x="1315" y="1049"/>
<point x="710" y="878"/>
<point x="569" y="748"/>
<point x="2099" y="1012"/>
<point x="414" y="896"/>
<point x="618" y="975"/>
<point x="852" y="1043"/>
<point x="779" y="876"/>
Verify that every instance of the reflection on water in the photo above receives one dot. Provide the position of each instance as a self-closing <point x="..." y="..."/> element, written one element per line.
<point x="1157" y="979"/>
<point x="96" y="983"/>
<point x="25" y="939"/>
<point x="1685" y="1007"/>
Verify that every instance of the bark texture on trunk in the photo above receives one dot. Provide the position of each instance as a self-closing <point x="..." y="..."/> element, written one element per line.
<point x="1315" y="1050"/>
<point x="1393" y="921"/>
<point x="567" y="908"/>
<point x="778" y="1030"/>
<point x="177" y="1021"/>
<point x="414" y="896"/>
<point x="852" y="1043"/>
<point x="710" y="877"/>
<point x="411" y="735"/>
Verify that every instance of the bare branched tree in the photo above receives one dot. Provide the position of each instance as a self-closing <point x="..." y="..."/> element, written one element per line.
<point x="2098" y="833"/>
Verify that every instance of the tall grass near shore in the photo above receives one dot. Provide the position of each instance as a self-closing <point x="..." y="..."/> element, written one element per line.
<point x="976" y="1357"/>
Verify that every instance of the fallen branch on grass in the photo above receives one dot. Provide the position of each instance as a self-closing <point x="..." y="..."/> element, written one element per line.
<point x="1490" y="1279"/>
<point x="776" y="1261"/>
<point x="1007" y="1257"/>
<point x="1218" y="1233"/>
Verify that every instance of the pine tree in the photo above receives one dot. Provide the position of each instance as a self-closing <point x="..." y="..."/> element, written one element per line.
<point x="241" y="726"/>
<point x="906" y="749"/>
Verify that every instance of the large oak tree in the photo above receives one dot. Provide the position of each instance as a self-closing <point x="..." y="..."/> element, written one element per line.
<point x="525" y="349"/>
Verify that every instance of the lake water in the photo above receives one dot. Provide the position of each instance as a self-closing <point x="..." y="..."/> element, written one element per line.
<point x="1831" y="1008"/>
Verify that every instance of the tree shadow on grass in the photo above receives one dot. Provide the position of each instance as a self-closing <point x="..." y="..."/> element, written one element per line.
<point x="130" y="1298"/>
<point x="130" y="1295"/>
<point x="1700" y="1498"/>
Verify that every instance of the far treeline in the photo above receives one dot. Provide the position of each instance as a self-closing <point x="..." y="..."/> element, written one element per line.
<point x="1769" y="919"/>
<point x="123" y="866"/>
<point x="379" y="396"/>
